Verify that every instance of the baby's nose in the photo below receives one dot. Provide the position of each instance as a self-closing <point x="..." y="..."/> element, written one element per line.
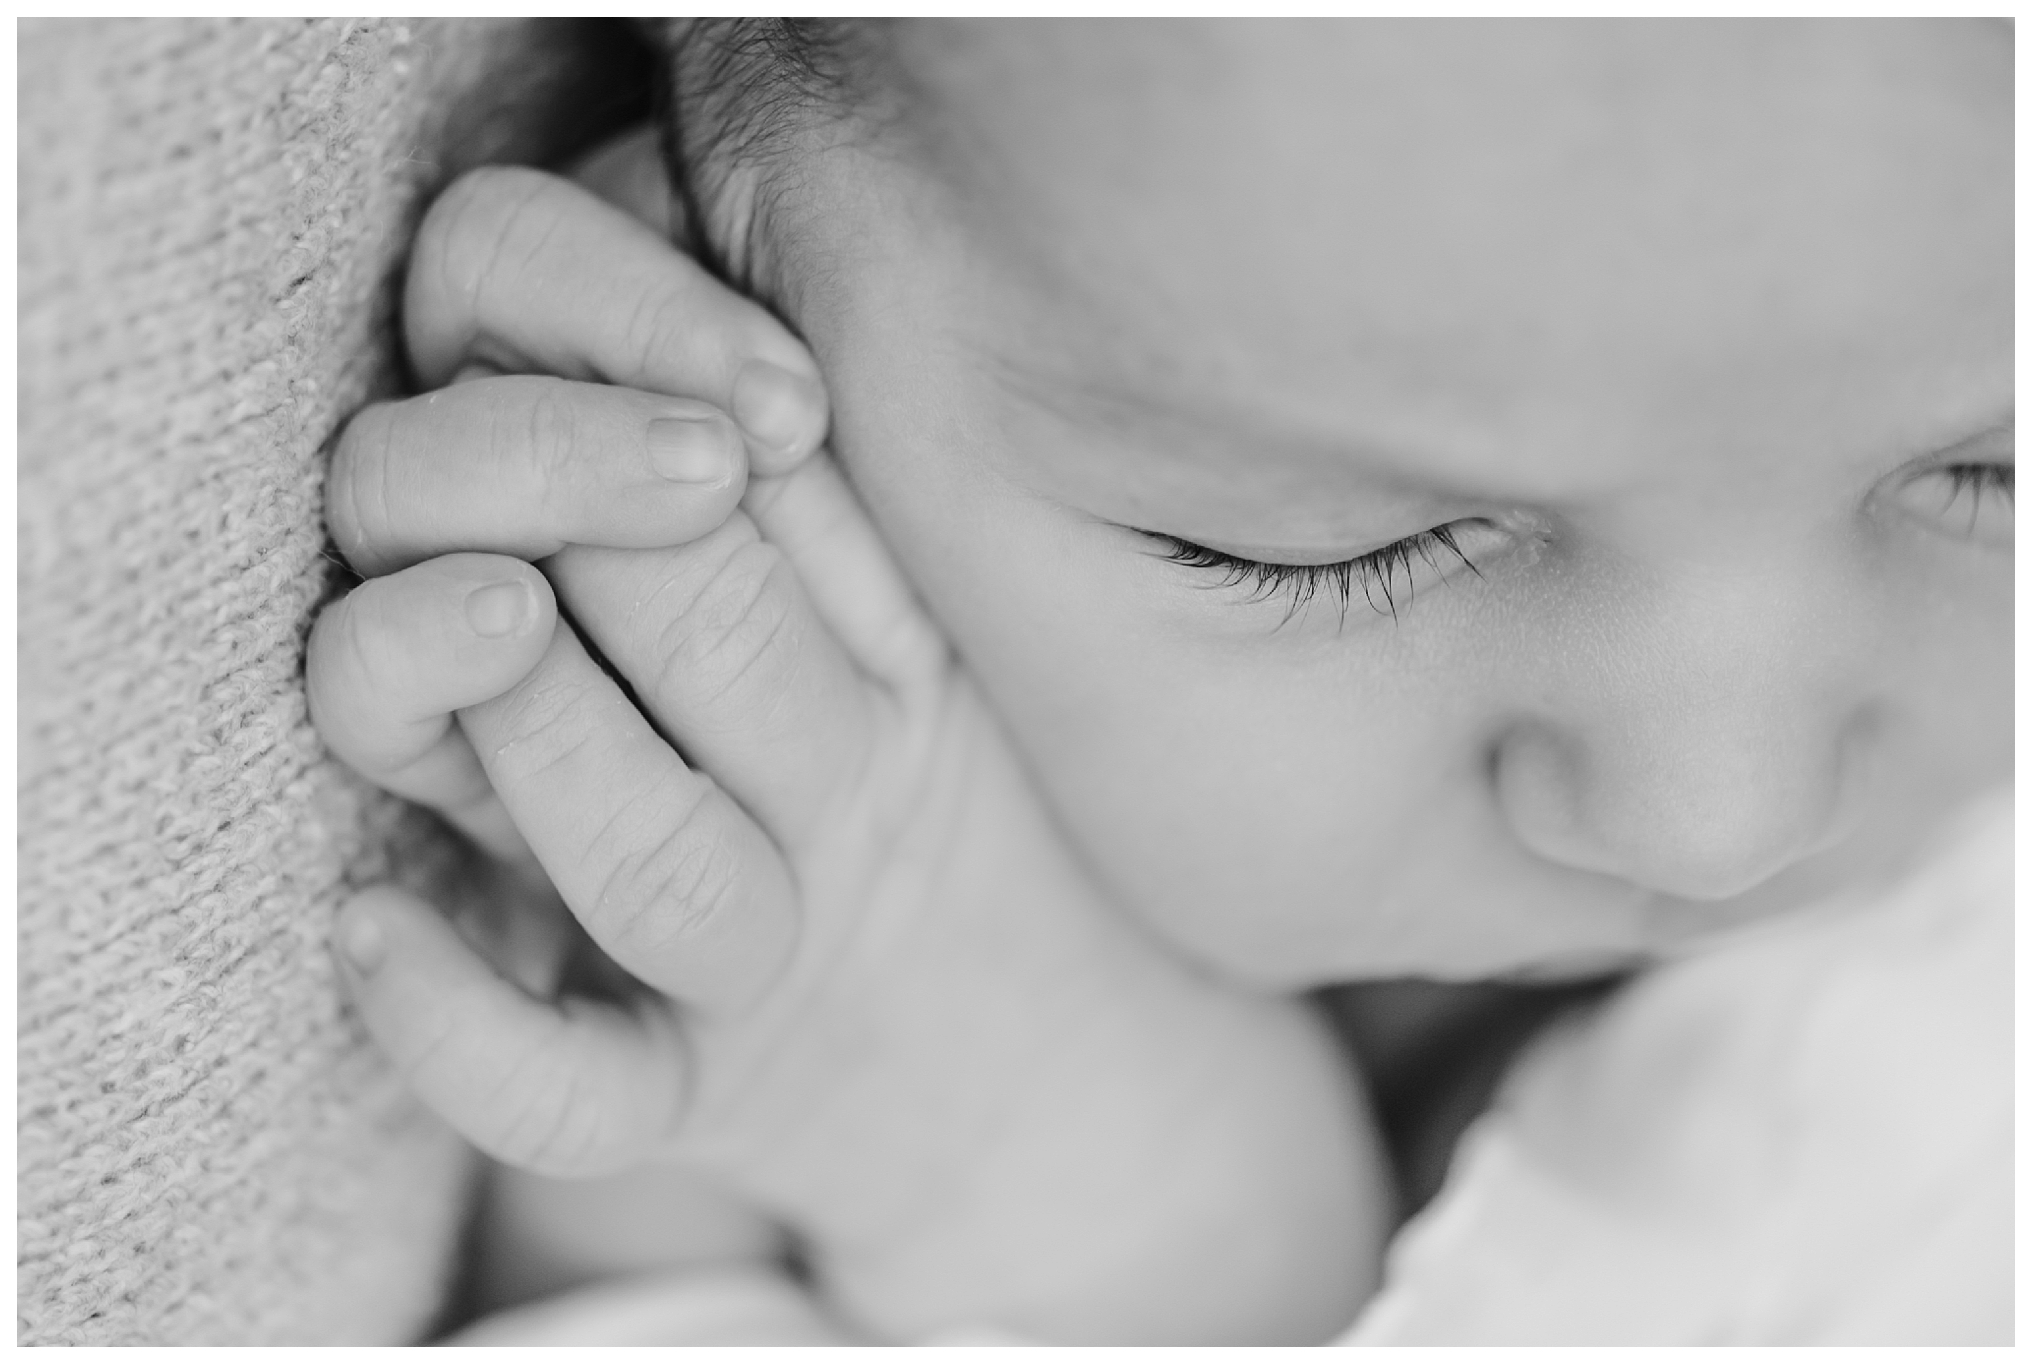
<point x="1710" y="739"/>
<point x="1694" y="806"/>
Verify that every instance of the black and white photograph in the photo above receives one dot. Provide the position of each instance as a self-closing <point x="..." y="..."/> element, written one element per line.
<point x="1150" y="680"/>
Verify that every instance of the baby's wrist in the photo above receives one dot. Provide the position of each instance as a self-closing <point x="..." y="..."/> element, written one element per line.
<point x="730" y="1305"/>
<point x="1246" y="1201"/>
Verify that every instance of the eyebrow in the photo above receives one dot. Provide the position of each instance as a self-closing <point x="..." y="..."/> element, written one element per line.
<point x="1213" y="429"/>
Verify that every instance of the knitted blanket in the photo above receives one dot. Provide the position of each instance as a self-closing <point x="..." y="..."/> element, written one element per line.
<point x="212" y="216"/>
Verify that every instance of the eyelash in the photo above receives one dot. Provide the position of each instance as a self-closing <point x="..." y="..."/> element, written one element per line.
<point x="1374" y="573"/>
<point x="1977" y="479"/>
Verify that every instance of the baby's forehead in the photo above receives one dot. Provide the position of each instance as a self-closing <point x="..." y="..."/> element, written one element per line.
<point x="1474" y="214"/>
<point x="1432" y="152"/>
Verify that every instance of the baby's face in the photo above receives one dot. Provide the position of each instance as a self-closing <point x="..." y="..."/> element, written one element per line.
<point x="1695" y="341"/>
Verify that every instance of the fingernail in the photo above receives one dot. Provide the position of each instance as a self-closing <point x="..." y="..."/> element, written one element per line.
<point x="782" y="410"/>
<point x="363" y="942"/>
<point x="498" y="609"/>
<point x="692" y="449"/>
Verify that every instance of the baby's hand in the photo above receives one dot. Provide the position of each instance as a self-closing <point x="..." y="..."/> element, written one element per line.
<point x="888" y="1001"/>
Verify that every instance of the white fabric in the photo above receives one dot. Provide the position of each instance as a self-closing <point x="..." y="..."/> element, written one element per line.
<point x="1802" y="1135"/>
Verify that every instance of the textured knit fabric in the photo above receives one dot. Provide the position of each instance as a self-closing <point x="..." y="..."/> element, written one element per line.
<point x="212" y="217"/>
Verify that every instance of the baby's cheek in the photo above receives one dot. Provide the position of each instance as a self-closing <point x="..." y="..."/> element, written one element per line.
<point x="1242" y="831"/>
<point x="1286" y="816"/>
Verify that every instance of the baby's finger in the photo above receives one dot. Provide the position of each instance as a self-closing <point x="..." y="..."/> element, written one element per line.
<point x="859" y="592"/>
<point x="581" y="1088"/>
<point x="523" y="465"/>
<point x="667" y="874"/>
<point x="533" y="274"/>
<point x="721" y="645"/>
<point x="388" y="665"/>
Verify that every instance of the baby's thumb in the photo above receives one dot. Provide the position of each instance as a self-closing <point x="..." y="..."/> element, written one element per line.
<point x="576" y="1088"/>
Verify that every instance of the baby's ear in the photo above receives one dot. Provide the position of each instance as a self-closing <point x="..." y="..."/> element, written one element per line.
<point x="628" y="172"/>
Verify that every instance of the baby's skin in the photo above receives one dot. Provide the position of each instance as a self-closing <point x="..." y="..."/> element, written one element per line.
<point x="1425" y="499"/>
<point x="885" y="1001"/>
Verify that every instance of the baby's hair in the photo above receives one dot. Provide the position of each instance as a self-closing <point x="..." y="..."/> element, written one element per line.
<point x="741" y="94"/>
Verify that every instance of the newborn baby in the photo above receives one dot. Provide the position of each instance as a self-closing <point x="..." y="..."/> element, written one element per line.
<point x="1423" y="499"/>
<point x="1799" y="1135"/>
